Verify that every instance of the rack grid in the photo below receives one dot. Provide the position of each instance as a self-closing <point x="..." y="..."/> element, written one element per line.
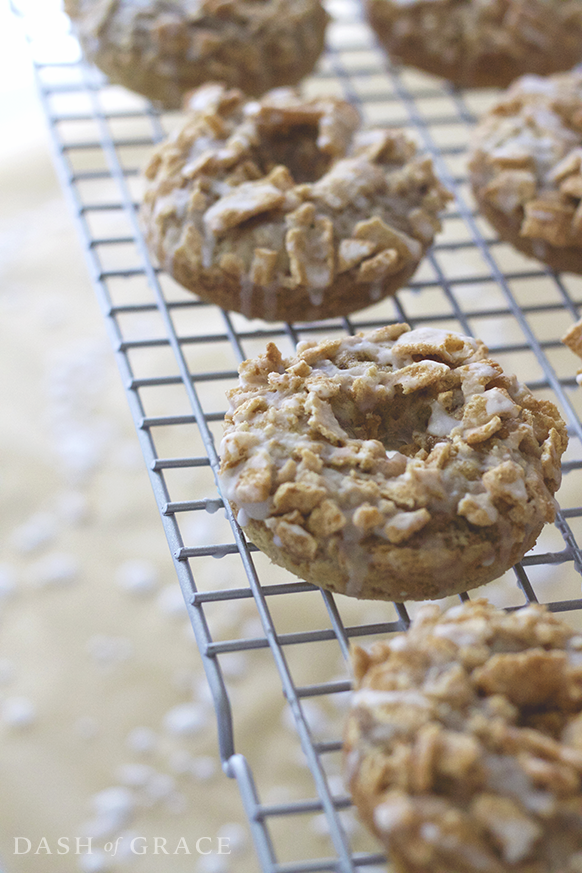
<point x="177" y="355"/>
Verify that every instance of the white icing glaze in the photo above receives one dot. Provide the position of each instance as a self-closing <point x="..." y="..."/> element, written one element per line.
<point x="392" y="814"/>
<point x="466" y="633"/>
<point x="457" y="611"/>
<point x="316" y="292"/>
<point x="532" y="84"/>
<point x="440" y="423"/>
<point x="498" y="402"/>
<point x="246" y="296"/>
<point x="529" y="142"/>
<point x="208" y="245"/>
<point x="399" y="643"/>
<point x="375" y="291"/>
<point x="506" y="776"/>
<point x="371" y="697"/>
<point x="508" y="199"/>
<point x="475" y="376"/>
<point x="516" y="489"/>
<point x="516" y="836"/>
<point x="259" y="510"/>
<point x="322" y="417"/>
<point x="430" y="832"/>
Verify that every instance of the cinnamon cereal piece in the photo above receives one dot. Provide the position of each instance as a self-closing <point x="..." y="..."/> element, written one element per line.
<point x="573" y="338"/>
<point x="249" y="199"/>
<point x="263" y="266"/>
<point x="352" y="252"/>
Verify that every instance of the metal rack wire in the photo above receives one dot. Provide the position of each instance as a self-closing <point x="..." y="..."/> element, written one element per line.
<point x="176" y="355"/>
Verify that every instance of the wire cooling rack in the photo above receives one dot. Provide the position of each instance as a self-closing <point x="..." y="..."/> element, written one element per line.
<point x="178" y="355"/>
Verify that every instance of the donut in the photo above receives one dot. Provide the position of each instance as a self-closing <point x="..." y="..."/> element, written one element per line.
<point x="164" y="48"/>
<point x="525" y="168"/>
<point x="391" y="465"/>
<point x="282" y="209"/>
<point x="463" y="743"/>
<point x="484" y="43"/>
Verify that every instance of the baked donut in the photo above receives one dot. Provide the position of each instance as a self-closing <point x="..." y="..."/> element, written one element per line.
<point x="398" y="464"/>
<point x="484" y="43"/>
<point x="463" y="745"/>
<point x="164" y="48"/>
<point x="282" y="209"/>
<point x="525" y="167"/>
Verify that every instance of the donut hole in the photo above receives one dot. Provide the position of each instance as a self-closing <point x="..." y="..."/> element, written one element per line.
<point x="295" y="147"/>
<point x="399" y="424"/>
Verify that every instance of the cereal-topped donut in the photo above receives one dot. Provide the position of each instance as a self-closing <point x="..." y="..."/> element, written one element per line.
<point x="525" y="167"/>
<point x="164" y="48"/>
<point x="281" y="208"/>
<point x="397" y="464"/>
<point x="463" y="745"/>
<point x="484" y="43"/>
